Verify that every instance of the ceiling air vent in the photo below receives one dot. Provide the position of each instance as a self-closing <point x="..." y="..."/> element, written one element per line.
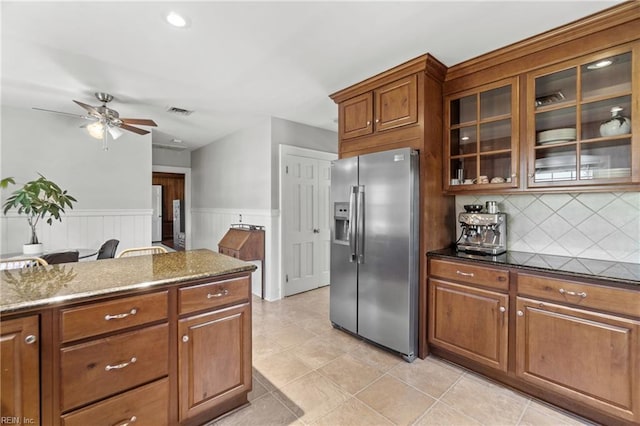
<point x="181" y="111"/>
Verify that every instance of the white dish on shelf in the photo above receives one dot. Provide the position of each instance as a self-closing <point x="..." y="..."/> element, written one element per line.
<point x="555" y="141"/>
<point x="566" y="134"/>
<point x="566" y="161"/>
<point x="611" y="173"/>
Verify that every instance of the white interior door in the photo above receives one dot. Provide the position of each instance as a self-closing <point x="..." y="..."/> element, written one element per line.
<point x="305" y="222"/>
<point x="156" y="220"/>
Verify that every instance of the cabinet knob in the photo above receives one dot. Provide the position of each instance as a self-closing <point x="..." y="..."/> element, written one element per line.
<point x="30" y="339"/>
<point x="520" y="313"/>
<point x="377" y="120"/>
<point x="368" y="123"/>
<point x="503" y="309"/>
<point x="185" y="338"/>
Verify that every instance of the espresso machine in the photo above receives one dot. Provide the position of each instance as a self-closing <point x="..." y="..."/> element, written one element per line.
<point x="483" y="232"/>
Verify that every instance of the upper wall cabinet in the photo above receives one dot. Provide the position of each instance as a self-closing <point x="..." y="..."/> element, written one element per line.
<point x="390" y="106"/>
<point x="572" y="98"/>
<point x="582" y="121"/>
<point x="481" y="138"/>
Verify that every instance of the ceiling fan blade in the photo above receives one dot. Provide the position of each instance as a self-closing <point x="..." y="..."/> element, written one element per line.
<point x="134" y="129"/>
<point x="67" y="113"/>
<point x="140" y="121"/>
<point x="89" y="108"/>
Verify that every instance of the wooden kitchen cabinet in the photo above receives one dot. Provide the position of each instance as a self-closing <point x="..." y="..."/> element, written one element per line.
<point x="215" y="331"/>
<point x="20" y="367"/>
<point x="564" y="84"/>
<point x="387" y="107"/>
<point x="482" y="137"/>
<point x="469" y="317"/>
<point x="590" y="357"/>
<point x="108" y="351"/>
<point x="569" y="142"/>
<point x="572" y="343"/>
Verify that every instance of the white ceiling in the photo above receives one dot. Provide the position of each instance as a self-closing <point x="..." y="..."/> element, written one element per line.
<point x="239" y="62"/>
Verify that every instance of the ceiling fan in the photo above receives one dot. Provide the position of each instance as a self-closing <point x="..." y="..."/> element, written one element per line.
<point x="105" y="120"/>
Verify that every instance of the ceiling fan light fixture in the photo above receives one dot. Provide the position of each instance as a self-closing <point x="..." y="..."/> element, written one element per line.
<point x="176" y="20"/>
<point x="114" y="132"/>
<point x="96" y="130"/>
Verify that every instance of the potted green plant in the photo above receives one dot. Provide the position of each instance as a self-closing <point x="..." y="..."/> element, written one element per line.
<point x="37" y="199"/>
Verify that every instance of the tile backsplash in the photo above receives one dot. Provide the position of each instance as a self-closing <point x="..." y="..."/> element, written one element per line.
<point x="603" y="226"/>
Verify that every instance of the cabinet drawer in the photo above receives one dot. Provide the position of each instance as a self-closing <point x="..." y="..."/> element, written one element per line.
<point x="473" y="274"/>
<point x="104" y="367"/>
<point x="143" y="406"/>
<point x="212" y="295"/>
<point x="610" y="299"/>
<point x="113" y="315"/>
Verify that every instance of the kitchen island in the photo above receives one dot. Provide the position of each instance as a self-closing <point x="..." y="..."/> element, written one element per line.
<point x="156" y="339"/>
<point x="562" y="329"/>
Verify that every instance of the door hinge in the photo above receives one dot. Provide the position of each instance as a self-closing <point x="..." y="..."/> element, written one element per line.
<point x="286" y="278"/>
<point x="286" y="169"/>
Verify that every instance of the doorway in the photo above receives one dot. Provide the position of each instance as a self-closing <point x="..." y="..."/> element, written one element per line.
<point x="172" y="223"/>
<point x="305" y="177"/>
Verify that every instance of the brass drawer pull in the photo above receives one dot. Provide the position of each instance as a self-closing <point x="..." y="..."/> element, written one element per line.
<point x="126" y="422"/>
<point x="465" y="274"/>
<point x="121" y="365"/>
<point x="582" y="294"/>
<point x="120" y="316"/>
<point x="221" y="293"/>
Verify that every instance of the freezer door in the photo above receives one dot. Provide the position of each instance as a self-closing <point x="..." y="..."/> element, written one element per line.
<point x="388" y="268"/>
<point x="343" y="305"/>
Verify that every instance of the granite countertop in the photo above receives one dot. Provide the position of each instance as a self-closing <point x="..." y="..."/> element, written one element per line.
<point x="605" y="270"/>
<point x="32" y="288"/>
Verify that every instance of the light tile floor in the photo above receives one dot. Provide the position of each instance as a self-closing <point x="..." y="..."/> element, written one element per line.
<point x="305" y="372"/>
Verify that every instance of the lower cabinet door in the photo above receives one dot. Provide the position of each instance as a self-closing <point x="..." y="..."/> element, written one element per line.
<point x="143" y="406"/>
<point x="469" y="321"/>
<point x="590" y="357"/>
<point x="214" y="359"/>
<point x="20" y="365"/>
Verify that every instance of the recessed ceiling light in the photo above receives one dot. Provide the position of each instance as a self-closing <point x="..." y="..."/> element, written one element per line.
<point x="176" y="20"/>
<point x="600" y="64"/>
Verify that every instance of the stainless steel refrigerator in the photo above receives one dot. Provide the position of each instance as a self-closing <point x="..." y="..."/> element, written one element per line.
<point x="374" y="248"/>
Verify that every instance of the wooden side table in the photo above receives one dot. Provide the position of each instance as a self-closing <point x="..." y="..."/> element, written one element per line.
<point x="245" y="242"/>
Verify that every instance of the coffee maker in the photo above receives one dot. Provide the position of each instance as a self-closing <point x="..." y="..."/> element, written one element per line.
<point x="482" y="232"/>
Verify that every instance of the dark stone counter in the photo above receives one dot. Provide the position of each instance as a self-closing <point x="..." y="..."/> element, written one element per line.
<point x="627" y="274"/>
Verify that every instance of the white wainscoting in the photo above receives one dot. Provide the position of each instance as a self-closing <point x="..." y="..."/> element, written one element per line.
<point x="209" y="225"/>
<point x="80" y="229"/>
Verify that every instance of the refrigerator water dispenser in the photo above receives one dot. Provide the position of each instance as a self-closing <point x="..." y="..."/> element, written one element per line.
<point x="341" y="217"/>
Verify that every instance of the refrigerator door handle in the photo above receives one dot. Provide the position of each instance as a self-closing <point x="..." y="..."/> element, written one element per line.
<point x="360" y="224"/>
<point x="352" y="223"/>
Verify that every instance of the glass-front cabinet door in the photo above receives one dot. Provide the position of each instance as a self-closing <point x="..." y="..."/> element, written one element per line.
<point x="580" y="128"/>
<point x="482" y="138"/>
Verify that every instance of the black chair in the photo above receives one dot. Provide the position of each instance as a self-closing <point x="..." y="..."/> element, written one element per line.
<point x="108" y="250"/>
<point x="61" y="257"/>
